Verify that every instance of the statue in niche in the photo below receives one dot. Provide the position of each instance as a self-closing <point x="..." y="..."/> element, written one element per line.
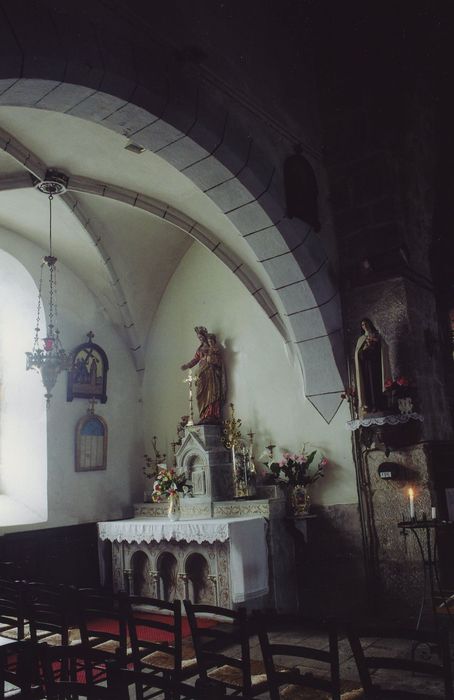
<point x="211" y="383"/>
<point x="371" y="368"/>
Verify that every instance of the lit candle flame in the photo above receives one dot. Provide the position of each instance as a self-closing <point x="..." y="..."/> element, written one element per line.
<point x="412" y="502"/>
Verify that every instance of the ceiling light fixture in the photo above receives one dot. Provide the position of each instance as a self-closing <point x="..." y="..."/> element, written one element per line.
<point x="52" y="358"/>
<point x="134" y="147"/>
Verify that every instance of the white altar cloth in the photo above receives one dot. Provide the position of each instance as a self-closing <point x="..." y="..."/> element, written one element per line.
<point x="246" y="537"/>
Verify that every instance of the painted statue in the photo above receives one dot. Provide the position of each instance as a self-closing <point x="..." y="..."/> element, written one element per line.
<point x="371" y="368"/>
<point x="211" y="383"/>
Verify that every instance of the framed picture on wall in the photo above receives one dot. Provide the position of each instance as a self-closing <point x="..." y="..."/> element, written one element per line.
<point x="91" y="443"/>
<point x="87" y="377"/>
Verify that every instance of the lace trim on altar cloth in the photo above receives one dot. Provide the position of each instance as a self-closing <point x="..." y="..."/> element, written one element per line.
<point x="154" y="530"/>
<point x="392" y="419"/>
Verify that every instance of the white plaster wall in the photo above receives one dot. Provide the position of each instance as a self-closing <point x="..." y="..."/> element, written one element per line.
<point x="265" y="381"/>
<point x="78" y="497"/>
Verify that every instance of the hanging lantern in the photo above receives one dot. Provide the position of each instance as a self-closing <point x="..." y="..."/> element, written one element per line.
<point x="51" y="358"/>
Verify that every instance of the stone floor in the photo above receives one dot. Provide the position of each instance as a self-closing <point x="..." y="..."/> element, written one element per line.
<point x="348" y="671"/>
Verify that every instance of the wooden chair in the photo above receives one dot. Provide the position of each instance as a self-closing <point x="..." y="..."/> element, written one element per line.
<point x="12" y="610"/>
<point x="103" y="629"/>
<point x="155" y="634"/>
<point x="20" y="675"/>
<point x="58" y="686"/>
<point x="398" y="674"/>
<point x="51" y="612"/>
<point x="223" y="650"/>
<point x="322" y="679"/>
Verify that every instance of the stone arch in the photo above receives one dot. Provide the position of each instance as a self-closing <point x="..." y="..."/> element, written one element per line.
<point x="197" y="570"/>
<point x="167" y="568"/>
<point x="140" y="565"/>
<point x="175" y="112"/>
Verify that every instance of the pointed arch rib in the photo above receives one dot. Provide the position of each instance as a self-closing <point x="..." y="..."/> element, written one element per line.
<point x="241" y="179"/>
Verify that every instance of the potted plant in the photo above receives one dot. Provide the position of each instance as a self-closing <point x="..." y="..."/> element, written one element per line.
<point x="296" y="472"/>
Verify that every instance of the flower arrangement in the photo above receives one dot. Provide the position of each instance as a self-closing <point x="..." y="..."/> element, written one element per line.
<point x="400" y="384"/>
<point x="294" y="469"/>
<point x="152" y="463"/>
<point x="168" y="483"/>
<point x="401" y="394"/>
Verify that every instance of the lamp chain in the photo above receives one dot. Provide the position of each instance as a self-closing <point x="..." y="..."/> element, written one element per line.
<point x="38" y="311"/>
<point x="52" y="275"/>
<point x="50" y="224"/>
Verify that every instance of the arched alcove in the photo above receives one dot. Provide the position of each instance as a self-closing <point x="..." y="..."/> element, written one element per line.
<point x="140" y="574"/>
<point x="167" y="573"/>
<point x="199" y="586"/>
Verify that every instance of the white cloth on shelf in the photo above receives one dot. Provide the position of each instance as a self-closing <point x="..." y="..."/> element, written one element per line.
<point x="246" y="537"/>
<point x="248" y="560"/>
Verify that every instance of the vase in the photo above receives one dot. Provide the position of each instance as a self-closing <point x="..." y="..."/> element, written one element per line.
<point x="173" y="512"/>
<point x="300" y="501"/>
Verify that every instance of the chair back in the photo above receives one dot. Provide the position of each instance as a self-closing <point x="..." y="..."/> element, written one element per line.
<point x="213" y="643"/>
<point x="18" y="667"/>
<point x="154" y="626"/>
<point x="50" y="609"/>
<point x="12" y="609"/>
<point x="322" y="659"/>
<point x="103" y="630"/>
<point x="410" y="670"/>
<point x="57" y="685"/>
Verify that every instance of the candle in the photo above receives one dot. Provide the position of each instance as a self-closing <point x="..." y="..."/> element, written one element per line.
<point x="434" y="513"/>
<point x="411" y="496"/>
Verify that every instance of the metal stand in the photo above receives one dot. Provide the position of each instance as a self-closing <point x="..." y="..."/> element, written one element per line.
<point x="425" y="533"/>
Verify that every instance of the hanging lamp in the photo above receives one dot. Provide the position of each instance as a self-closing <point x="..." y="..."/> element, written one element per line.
<point x="51" y="358"/>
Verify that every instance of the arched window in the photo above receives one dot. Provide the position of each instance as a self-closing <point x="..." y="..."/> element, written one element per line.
<point x="23" y="424"/>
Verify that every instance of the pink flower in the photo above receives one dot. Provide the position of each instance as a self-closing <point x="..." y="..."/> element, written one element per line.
<point x="388" y="383"/>
<point x="300" y="459"/>
<point x="402" y="381"/>
<point x="282" y="462"/>
<point x="324" y="462"/>
<point x="286" y="456"/>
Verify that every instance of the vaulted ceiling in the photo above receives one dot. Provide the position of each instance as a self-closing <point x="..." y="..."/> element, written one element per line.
<point x="143" y="249"/>
<point x="217" y="114"/>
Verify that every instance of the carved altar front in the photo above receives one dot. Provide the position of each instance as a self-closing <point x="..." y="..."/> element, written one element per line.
<point x="218" y="544"/>
<point x="220" y="561"/>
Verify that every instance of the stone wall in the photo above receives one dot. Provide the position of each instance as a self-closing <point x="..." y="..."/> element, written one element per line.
<point x="381" y="112"/>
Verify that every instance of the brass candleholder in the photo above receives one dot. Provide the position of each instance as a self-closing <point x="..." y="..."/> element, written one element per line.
<point x="232" y="441"/>
<point x="190" y="380"/>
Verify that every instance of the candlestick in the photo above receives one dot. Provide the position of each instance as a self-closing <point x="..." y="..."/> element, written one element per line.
<point x="411" y="496"/>
<point x="433" y="513"/>
<point x="232" y="441"/>
<point x="189" y="380"/>
<point x="245" y="465"/>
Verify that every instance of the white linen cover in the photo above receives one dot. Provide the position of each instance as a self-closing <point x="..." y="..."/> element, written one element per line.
<point x="246" y="537"/>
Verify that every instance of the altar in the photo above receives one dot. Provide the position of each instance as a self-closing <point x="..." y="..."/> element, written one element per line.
<point x="222" y="561"/>
<point x="222" y="551"/>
